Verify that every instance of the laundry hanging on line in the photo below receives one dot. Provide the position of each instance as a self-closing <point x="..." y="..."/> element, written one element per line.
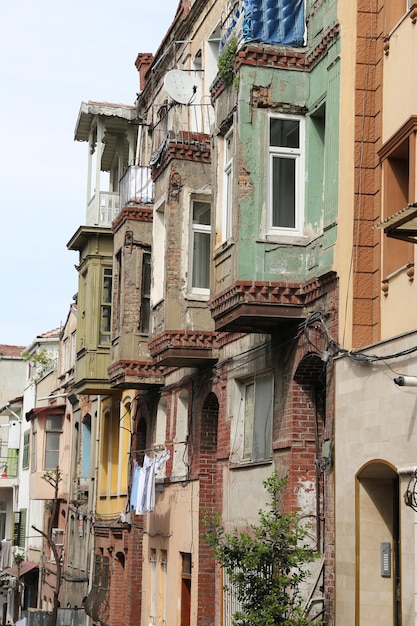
<point x="142" y="497"/>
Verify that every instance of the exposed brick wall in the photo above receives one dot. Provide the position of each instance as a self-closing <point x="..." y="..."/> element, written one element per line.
<point x="123" y="545"/>
<point x="209" y="493"/>
<point x="366" y="247"/>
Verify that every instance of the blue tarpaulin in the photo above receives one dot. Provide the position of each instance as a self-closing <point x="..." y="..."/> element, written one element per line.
<point x="279" y="22"/>
<point x="274" y="21"/>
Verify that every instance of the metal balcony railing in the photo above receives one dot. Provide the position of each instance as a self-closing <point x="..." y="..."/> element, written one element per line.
<point x="8" y="467"/>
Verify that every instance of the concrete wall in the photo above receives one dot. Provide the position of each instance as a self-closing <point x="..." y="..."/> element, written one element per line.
<point x="375" y="441"/>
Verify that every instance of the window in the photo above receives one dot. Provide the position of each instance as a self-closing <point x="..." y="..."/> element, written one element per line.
<point x="118" y="291"/>
<point x="257" y="396"/>
<point x="231" y="603"/>
<point x="64" y="362"/>
<point x="398" y="158"/>
<point x="158" y="238"/>
<point x="53" y="430"/>
<point x="58" y="535"/>
<point x="186" y="588"/>
<point x="105" y="314"/>
<point x="153" y="593"/>
<point x="73" y="348"/>
<point x="286" y="179"/>
<point x="34" y="449"/>
<point x="86" y="446"/>
<point x="180" y="460"/>
<point x="145" y="308"/>
<point x="164" y="584"/>
<point x="3" y="516"/>
<point x="200" y="246"/>
<point x="110" y="469"/>
<point x="227" y="187"/>
<point x="26" y="449"/>
<point x="19" y="534"/>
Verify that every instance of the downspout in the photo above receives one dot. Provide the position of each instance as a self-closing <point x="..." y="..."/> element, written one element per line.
<point x="93" y="507"/>
<point x="316" y="433"/>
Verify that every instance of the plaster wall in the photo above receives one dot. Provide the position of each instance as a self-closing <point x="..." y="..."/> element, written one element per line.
<point x="173" y="527"/>
<point x="375" y="420"/>
<point x="400" y="87"/>
<point x="241" y="502"/>
<point x="127" y="341"/>
<point x="347" y="14"/>
<point x="113" y="474"/>
<point x="180" y="309"/>
<point x="13" y="373"/>
<point x="398" y="307"/>
<point x="254" y="253"/>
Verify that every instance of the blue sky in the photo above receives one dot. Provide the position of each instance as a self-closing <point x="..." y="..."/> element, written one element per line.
<point x="53" y="56"/>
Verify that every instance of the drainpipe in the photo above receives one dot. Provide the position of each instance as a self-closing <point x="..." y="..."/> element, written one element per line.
<point x="319" y="547"/>
<point x="94" y="496"/>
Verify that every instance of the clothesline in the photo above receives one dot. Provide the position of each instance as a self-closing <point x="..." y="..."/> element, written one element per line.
<point x="146" y="450"/>
<point x="142" y="497"/>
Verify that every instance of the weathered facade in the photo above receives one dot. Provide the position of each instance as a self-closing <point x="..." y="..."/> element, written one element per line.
<point x="375" y="432"/>
<point x="224" y="306"/>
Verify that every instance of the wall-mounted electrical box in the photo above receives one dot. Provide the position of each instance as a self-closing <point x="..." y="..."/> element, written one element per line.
<point x="386" y="559"/>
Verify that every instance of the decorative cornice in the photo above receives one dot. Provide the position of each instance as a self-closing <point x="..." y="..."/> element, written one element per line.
<point x="185" y="146"/>
<point x="190" y="339"/>
<point x="133" y="212"/>
<point x="269" y="293"/>
<point x="264" y="55"/>
<point x="139" y="369"/>
<point x="409" y="127"/>
<point x="320" y="51"/>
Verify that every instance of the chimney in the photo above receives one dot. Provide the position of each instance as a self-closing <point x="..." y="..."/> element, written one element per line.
<point x="143" y="62"/>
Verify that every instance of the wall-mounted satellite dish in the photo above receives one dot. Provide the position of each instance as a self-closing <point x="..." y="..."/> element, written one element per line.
<point x="180" y="86"/>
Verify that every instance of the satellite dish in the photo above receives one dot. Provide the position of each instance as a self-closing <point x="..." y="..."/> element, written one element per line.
<point x="180" y="86"/>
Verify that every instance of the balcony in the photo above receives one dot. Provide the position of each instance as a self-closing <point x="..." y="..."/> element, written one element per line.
<point x="132" y="374"/>
<point x="8" y="466"/>
<point x="257" y="306"/>
<point x="136" y="186"/>
<point x="102" y="209"/>
<point x="184" y="348"/>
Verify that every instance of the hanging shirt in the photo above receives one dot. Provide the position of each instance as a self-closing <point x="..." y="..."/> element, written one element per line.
<point x="146" y="486"/>
<point x="135" y="484"/>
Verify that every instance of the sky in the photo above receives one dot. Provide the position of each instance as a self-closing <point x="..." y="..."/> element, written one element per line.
<point x="53" y="56"/>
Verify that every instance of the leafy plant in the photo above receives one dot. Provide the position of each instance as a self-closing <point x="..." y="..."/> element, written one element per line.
<point x="265" y="566"/>
<point x="226" y="62"/>
<point x="18" y="558"/>
<point x="40" y="361"/>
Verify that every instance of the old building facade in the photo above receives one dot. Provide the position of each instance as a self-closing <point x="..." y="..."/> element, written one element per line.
<point x="375" y="431"/>
<point x="224" y="305"/>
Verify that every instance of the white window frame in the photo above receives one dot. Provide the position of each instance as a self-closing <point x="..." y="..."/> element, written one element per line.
<point x="53" y="427"/>
<point x="159" y="245"/>
<point x="106" y="305"/>
<point x="227" y="201"/>
<point x="196" y="228"/>
<point x="298" y="155"/>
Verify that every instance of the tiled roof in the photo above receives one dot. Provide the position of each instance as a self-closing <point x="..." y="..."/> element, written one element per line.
<point x="6" y="350"/>
<point x="50" y="334"/>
